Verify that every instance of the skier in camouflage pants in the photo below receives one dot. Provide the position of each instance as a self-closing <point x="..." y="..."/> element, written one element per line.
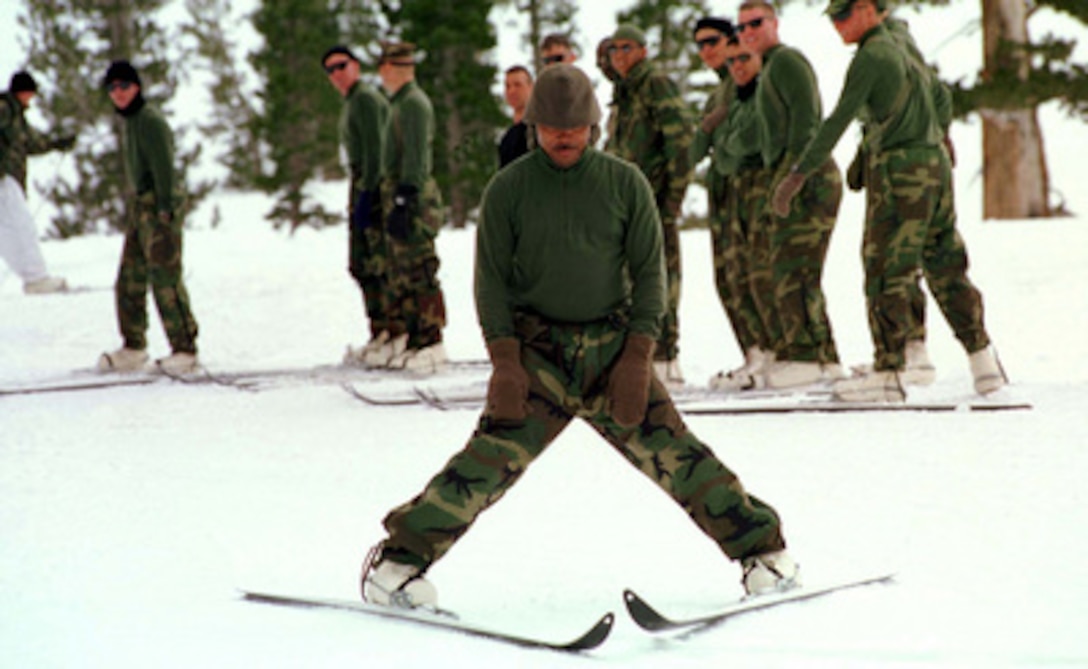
<point x="571" y="232"/>
<point x="652" y="129"/>
<point x="910" y="214"/>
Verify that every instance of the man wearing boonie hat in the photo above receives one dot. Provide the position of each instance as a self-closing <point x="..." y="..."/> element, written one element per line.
<point x="569" y="295"/>
<point x="910" y="218"/>
<point x="19" y="245"/>
<point x="653" y="129"/>
<point x="152" y="253"/>
<point x="413" y="216"/>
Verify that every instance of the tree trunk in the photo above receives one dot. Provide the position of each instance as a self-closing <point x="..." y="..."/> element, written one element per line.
<point x="455" y="137"/>
<point x="1016" y="183"/>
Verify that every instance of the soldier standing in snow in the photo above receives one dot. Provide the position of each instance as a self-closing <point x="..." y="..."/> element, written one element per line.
<point x="517" y="86"/>
<point x="570" y="291"/>
<point x="364" y="123"/>
<point x="737" y="183"/>
<point x="652" y="130"/>
<point x="413" y="216"/>
<point x="18" y="235"/>
<point x="152" y="250"/>
<point x="788" y="101"/>
<point x="910" y="219"/>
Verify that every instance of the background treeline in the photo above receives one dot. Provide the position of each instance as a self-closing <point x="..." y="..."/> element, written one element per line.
<point x="273" y="116"/>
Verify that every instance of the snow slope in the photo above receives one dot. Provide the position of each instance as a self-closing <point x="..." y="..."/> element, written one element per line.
<point x="129" y="517"/>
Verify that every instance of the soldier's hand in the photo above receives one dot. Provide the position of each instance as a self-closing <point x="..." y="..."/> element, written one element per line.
<point x="855" y="174"/>
<point x="947" y="141"/>
<point x="361" y="211"/>
<point x="508" y="388"/>
<point x="785" y="192"/>
<point x="629" y="381"/>
<point x="64" y="143"/>
<point x="401" y="218"/>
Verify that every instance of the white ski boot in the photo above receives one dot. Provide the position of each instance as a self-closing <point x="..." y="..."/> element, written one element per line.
<point x="357" y="356"/>
<point x="385" y="351"/>
<point x="394" y="584"/>
<point x="918" y="371"/>
<point x="746" y="377"/>
<point x="178" y="364"/>
<point x="427" y="360"/>
<point x="987" y="371"/>
<point x="50" y="284"/>
<point x="875" y="386"/>
<point x="123" y="360"/>
<point x="770" y="572"/>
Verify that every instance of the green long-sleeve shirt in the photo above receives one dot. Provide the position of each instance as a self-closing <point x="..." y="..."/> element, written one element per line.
<point x="714" y="112"/>
<point x="788" y="103"/>
<point x="364" y="122"/>
<point x="574" y="245"/>
<point x="408" y="151"/>
<point x="888" y="89"/>
<point x="148" y="149"/>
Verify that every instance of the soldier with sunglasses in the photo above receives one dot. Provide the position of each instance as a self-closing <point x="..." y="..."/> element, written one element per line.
<point x="737" y="192"/>
<point x="789" y="109"/>
<point x="652" y="129"/>
<point x="364" y="122"/>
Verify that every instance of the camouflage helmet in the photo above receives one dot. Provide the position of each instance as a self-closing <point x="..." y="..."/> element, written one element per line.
<point x="563" y="97"/>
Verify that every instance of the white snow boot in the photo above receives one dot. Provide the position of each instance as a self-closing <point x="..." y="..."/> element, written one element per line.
<point x="797" y="373"/>
<point x="384" y="351"/>
<point x="668" y="372"/>
<point x="987" y="371"/>
<point x="746" y="377"/>
<point x="919" y="370"/>
<point x="770" y="572"/>
<point x="394" y="584"/>
<point x="427" y="360"/>
<point x="357" y="356"/>
<point x="123" y="360"/>
<point x="50" y="284"/>
<point x="178" y="364"/>
<point x="875" y="386"/>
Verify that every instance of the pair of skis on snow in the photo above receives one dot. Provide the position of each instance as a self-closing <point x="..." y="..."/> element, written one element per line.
<point x="642" y="613"/>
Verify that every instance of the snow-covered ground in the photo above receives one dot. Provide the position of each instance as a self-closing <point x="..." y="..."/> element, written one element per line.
<point x="129" y="517"/>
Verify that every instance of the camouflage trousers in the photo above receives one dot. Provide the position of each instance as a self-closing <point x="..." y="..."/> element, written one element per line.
<point x="413" y="299"/>
<point x="151" y="256"/>
<point x="799" y="248"/>
<point x="368" y="265"/>
<point x="668" y="344"/>
<point x="741" y="246"/>
<point x="910" y="228"/>
<point x="568" y="367"/>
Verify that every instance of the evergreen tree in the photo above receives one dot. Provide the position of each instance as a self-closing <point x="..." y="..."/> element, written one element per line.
<point x="459" y="83"/>
<point x="71" y="44"/>
<point x="546" y="17"/>
<point x="297" y="122"/>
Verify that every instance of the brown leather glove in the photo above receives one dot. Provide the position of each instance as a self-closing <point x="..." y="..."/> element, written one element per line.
<point x="629" y="382"/>
<point x="508" y="389"/>
<point x="785" y="192"/>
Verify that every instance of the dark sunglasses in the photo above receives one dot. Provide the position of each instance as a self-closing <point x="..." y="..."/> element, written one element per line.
<point x="626" y="48"/>
<point x="708" y="41"/>
<point x="839" y="17"/>
<point x="118" y="85"/>
<point x="742" y="58"/>
<point x="336" y="67"/>
<point x="754" y="23"/>
<point x="550" y="60"/>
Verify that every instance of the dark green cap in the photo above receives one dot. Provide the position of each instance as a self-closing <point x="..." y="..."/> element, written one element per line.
<point x="563" y="97"/>
<point x="839" y="6"/>
<point x="629" y="32"/>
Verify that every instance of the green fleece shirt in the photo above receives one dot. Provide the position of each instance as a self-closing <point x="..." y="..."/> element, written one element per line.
<point x="364" y="122"/>
<point x="148" y="149"/>
<point x="880" y="70"/>
<point x="788" y="103"/>
<point x="408" y="151"/>
<point x="573" y="245"/>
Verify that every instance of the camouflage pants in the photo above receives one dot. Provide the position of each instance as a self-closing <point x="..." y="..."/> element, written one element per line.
<point x="152" y="256"/>
<point x="741" y="248"/>
<point x="568" y="365"/>
<point x="367" y="263"/>
<point x="910" y="226"/>
<point x="668" y="344"/>
<point x="799" y="248"/>
<point x="414" y="299"/>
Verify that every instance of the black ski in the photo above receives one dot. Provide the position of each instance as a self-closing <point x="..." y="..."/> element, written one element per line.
<point x="648" y="618"/>
<point x="589" y="640"/>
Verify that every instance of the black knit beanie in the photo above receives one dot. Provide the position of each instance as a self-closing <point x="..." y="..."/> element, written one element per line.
<point x="23" y="81"/>
<point x="121" y="70"/>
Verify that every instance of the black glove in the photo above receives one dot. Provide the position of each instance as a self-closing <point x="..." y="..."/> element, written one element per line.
<point x="64" y="143"/>
<point x="361" y="214"/>
<point x="400" y="220"/>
